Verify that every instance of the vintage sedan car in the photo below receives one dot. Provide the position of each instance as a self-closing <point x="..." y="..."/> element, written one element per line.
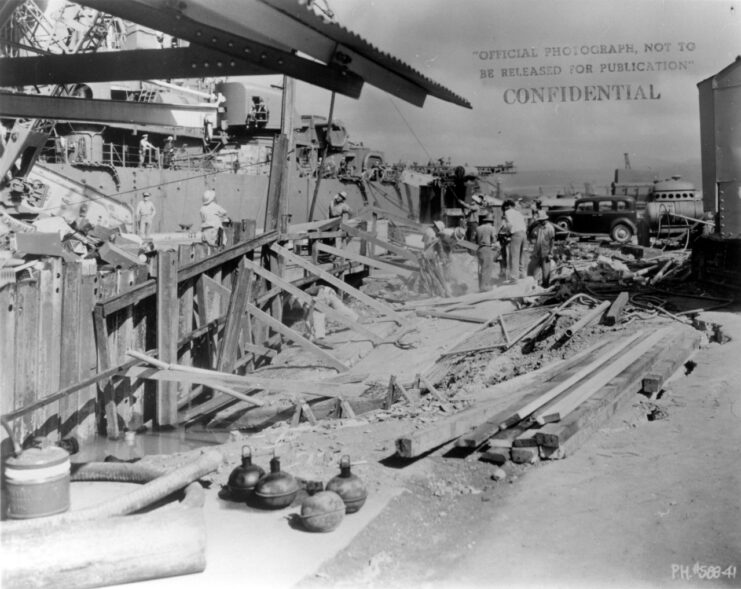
<point x="614" y="215"/>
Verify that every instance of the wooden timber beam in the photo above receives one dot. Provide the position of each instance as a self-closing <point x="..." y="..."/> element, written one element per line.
<point x="309" y="300"/>
<point x="149" y="287"/>
<point x="167" y="332"/>
<point x="295" y="337"/>
<point x="369" y="237"/>
<point x="342" y="285"/>
<point x="319" y="388"/>
<point x="566" y="403"/>
<point x="230" y="338"/>
<point x="327" y="249"/>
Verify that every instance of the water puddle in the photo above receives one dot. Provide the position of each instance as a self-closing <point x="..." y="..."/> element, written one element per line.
<point x="131" y="447"/>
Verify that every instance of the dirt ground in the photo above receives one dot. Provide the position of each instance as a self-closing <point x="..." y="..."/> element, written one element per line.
<point x="641" y="504"/>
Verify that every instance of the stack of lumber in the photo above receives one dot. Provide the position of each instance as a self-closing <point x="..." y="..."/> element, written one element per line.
<point x="553" y="415"/>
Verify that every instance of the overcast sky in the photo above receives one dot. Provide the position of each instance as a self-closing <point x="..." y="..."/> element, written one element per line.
<point x="444" y="40"/>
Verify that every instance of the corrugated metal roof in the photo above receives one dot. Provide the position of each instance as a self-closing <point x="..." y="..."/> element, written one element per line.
<point x="301" y="12"/>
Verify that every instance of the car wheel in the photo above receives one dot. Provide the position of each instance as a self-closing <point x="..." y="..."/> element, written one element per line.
<point x="563" y="223"/>
<point x="621" y="233"/>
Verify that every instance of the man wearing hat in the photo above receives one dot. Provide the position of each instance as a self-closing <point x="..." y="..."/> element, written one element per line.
<point x="339" y="208"/>
<point x="514" y="224"/>
<point x="145" y="212"/>
<point x="542" y="233"/>
<point x="486" y="239"/>
<point x="168" y="152"/>
<point x="145" y="150"/>
<point x="472" y="212"/>
<point x="213" y="219"/>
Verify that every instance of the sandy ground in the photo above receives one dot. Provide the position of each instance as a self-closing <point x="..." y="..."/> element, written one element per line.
<point x="641" y="504"/>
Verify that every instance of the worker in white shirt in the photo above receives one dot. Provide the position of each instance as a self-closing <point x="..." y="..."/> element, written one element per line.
<point x="145" y="150"/>
<point x="339" y="207"/>
<point x="514" y="222"/>
<point x="145" y="212"/>
<point x="213" y="219"/>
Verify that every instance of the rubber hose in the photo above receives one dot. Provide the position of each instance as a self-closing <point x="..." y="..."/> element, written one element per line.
<point x="125" y="472"/>
<point x="149" y="493"/>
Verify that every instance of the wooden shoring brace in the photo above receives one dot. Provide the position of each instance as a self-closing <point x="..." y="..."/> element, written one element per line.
<point x="229" y="346"/>
<point x="295" y="337"/>
<point x="346" y="409"/>
<point x="340" y="284"/>
<point x="422" y="382"/>
<point x="308" y="299"/>
<point x="504" y="330"/>
<point x="395" y="389"/>
<point x="302" y="408"/>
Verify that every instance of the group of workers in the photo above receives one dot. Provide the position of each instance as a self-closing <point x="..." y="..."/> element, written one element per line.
<point x="508" y="241"/>
<point x="213" y="218"/>
<point x="504" y="243"/>
<point x="149" y="154"/>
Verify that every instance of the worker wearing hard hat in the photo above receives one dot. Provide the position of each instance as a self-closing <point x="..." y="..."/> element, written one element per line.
<point x="213" y="219"/>
<point x="339" y="207"/>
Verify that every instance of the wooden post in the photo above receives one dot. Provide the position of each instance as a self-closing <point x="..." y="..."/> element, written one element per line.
<point x="230" y="338"/>
<point x="26" y="359"/>
<point x="613" y="313"/>
<point x="312" y="208"/>
<point x="70" y="353"/>
<point x="7" y="345"/>
<point x="278" y="183"/>
<point x="50" y="338"/>
<point x="167" y="335"/>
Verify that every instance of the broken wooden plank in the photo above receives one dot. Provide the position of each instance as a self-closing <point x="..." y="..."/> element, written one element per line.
<point x="309" y="300"/>
<point x="571" y="399"/>
<point x="364" y="260"/>
<point x="354" y="292"/>
<point x="325" y="388"/>
<point x="370" y="238"/>
<point x="451" y="316"/>
<point x="179" y="376"/>
<point x="616" y="308"/>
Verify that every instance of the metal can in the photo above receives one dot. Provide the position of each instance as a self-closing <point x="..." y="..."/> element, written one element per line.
<point x="37" y="482"/>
